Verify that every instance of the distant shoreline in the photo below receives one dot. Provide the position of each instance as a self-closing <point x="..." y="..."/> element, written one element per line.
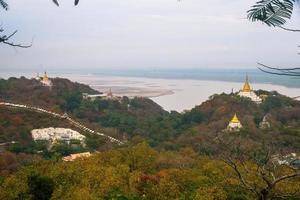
<point x="170" y="94"/>
<point x="173" y="94"/>
<point x="225" y="75"/>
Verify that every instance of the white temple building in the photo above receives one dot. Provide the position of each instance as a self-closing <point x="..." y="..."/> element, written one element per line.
<point x="54" y="135"/>
<point x="234" y="125"/>
<point x="107" y="95"/>
<point x="249" y="93"/>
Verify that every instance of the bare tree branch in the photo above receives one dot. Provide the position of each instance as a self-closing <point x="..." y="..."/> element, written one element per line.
<point x="289" y="176"/>
<point x="267" y="173"/>
<point x="289" y="29"/>
<point x="5" y="40"/>
<point x="279" y="71"/>
<point x="275" y="68"/>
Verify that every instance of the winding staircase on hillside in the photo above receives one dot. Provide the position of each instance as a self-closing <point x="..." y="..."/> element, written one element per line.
<point x="62" y="116"/>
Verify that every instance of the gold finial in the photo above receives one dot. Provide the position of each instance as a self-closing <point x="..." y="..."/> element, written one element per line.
<point x="246" y="87"/>
<point x="45" y="78"/>
<point x="235" y="119"/>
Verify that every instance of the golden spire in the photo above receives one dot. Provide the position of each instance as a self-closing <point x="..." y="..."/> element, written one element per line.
<point x="45" y="77"/>
<point x="235" y="119"/>
<point x="246" y="87"/>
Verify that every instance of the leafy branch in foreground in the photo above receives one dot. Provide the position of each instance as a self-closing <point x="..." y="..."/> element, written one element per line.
<point x="3" y="4"/>
<point x="272" y="12"/>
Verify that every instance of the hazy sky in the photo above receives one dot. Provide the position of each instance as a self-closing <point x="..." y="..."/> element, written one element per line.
<point x="143" y="34"/>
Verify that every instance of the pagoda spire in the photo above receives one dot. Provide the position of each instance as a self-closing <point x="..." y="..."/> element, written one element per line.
<point x="45" y="78"/>
<point x="235" y="119"/>
<point x="246" y="87"/>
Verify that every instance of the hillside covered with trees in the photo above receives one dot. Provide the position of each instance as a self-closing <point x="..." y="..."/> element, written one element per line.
<point x="168" y="155"/>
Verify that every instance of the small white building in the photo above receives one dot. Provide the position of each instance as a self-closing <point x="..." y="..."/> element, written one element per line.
<point x="234" y="125"/>
<point x="73" y="157"/>
<point x="92" y="97"/>
<point x="291" y="159"/>
<point x="249" y="93"/>
<point x="54" y="135"/>
<point x="106" y="95"/>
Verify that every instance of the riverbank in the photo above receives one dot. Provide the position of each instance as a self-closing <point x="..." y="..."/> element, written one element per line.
<point x="169" y="93"/>
<point x="173" y="94"/>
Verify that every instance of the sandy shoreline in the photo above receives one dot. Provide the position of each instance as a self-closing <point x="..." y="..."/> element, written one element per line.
<point x="172" y="94"/>
<point x="134" y="91"/>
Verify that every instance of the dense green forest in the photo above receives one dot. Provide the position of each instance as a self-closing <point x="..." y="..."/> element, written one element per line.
<point x="165" y="155"/>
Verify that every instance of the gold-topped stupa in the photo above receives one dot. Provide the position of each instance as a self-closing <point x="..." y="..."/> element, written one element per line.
<point x="235" y="119"/>
<point x="45" y="77"/>
<point x="45" y="80"/>
<point x="234" y="125"/>
<point x="247" y="92"/>
<point x="246" y="87"/>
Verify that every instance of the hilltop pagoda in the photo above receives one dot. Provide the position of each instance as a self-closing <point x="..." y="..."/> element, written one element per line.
<point x="234" y="125"/>
<point x="249" y="93"/>
<point x="46" y="81"/>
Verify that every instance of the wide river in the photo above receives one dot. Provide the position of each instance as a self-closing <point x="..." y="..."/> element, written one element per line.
<point x="173" y="94"/>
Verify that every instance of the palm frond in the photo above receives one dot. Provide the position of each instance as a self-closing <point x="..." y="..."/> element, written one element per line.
<point x="3" y="4"/>
<point x="56" y="2"/>
<point x="271" y="12"/>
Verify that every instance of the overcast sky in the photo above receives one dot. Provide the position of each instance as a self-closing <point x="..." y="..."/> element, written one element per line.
<point x="142" y="34"/>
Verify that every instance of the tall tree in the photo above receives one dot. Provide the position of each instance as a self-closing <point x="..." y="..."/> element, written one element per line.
<point x="260" y="169"/>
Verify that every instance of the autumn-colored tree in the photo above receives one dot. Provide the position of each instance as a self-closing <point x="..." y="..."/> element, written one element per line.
<point x="259" y="171"/>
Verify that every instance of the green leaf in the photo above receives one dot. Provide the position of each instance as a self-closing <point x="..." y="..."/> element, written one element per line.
<point x="3" y="4"/>
<point x="271" y="12"/>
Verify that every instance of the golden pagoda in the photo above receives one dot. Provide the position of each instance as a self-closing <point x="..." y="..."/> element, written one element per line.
<point x="247" y="92"/>
<point x="46" y="81"/>
<point x="45" y="77"/>
<point x="246" y="87"/>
